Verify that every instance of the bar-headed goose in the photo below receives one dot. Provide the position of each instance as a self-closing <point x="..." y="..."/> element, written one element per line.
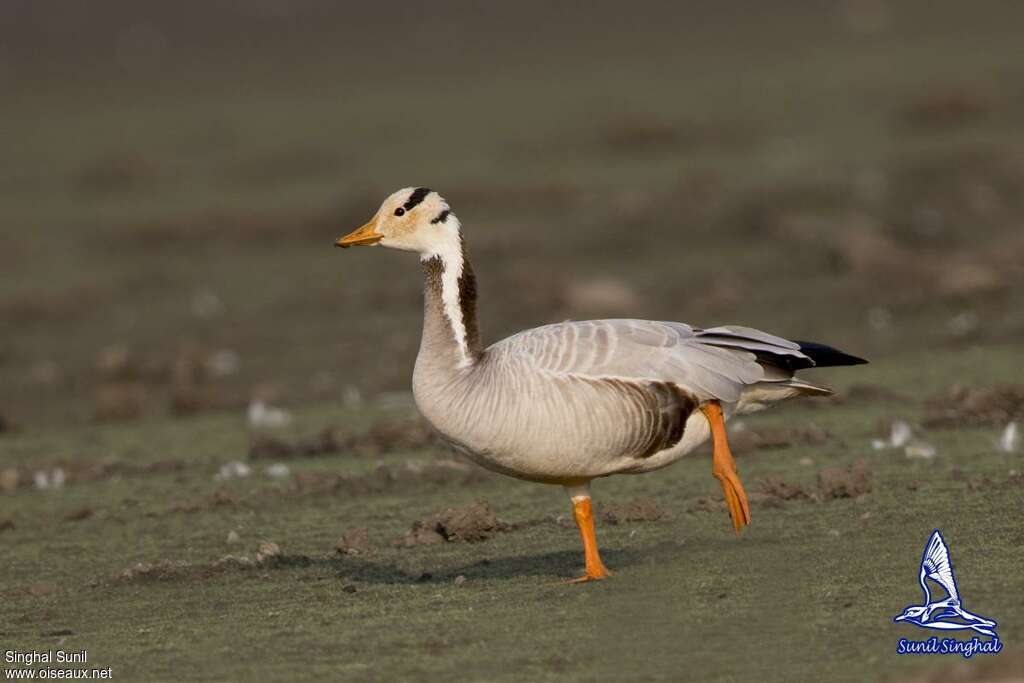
<point x="570" y="402"/>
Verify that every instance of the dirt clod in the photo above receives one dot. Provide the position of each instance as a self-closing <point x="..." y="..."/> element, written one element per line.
<point x="267" y="550"/>
<point x="845" y="482"/>
<point x="471" y="524"/>
<point x="268" y="555"/>
<point x="79" y="514"/>
<point x="74" y="471"/>
<point x="386" y="435"/>
<point x="9" y="478"/>
<point x="354" y="542"/>
<point x="162" y="570"/>
<point x="233" y="561"/>
<point x="265" y="447"/>
<point x="41" y="588"/>
<point x="394" y="434"/>
<point x="120" y="401"/>
<point x="985" y="483"/>
<point x="962" y="405"/>
<point x="776" y="488"/>
<point x="222" y="497"/>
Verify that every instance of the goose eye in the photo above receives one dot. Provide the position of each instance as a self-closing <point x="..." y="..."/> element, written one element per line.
<point x="399" y="211"/>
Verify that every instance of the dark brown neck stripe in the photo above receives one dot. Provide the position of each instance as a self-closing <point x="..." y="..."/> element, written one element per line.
<point x="467" y="306"/>
<point x="433" y="271"/>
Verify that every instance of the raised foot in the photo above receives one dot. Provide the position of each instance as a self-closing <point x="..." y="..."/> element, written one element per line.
<point x="723" y="466"/>
<point x="735" y="498"/>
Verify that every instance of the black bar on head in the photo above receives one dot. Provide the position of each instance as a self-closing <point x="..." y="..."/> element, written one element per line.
<point x="441" y="217"/>
<point x="417" y="196"/>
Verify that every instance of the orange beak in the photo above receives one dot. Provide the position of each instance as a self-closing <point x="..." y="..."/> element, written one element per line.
<point x="367" y="235"/>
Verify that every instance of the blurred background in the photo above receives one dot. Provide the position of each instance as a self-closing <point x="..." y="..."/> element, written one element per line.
<point x="174" y="175"/>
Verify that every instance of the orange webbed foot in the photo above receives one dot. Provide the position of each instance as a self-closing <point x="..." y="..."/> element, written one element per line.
<point x="724" y="468"/>
<point x="735" y="499"/>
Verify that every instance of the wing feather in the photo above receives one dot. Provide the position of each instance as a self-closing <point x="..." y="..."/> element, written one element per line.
<point x="713" y="364"/>
<point x="750" y="334"/>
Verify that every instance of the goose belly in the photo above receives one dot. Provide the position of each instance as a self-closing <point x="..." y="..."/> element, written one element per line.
<point x="563" y="428"/>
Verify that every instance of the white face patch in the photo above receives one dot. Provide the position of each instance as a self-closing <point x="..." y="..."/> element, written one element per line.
<point x="405" y="220"/>
<point x="445" y="243"/>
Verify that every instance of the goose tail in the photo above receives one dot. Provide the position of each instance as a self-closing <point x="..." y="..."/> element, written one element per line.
<point x="825" y="356"/>
<point x="757" y="397"/>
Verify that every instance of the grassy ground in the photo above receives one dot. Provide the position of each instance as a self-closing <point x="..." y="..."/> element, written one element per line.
<point x="848" y="172"/>
<point x="810" y="588"/>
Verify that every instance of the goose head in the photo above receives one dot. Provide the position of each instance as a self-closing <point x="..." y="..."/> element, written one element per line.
<point x="412" y="219"/>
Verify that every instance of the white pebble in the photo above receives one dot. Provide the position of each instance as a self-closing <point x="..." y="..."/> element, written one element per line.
<point x="233" y="470"/>
<point x="52" y="479"/>
<point x="900" y="435"/>
<point x="920" y="450"/>
<point x="277" y="470"/>
<point x="1009" y="441"/>
<point x="263" y="416"/>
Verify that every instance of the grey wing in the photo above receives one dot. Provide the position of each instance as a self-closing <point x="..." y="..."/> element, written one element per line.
<point x="937" y="566"/>
<point x="715" y="363"/>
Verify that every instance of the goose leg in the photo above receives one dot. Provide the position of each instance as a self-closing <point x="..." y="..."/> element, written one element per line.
<point x="724" y="467"/>
<point x="584" y="514"/>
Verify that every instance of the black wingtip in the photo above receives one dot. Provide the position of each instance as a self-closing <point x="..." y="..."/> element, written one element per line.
<point x="825" y="356"/>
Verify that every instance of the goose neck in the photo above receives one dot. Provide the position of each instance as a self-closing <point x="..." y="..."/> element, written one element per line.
<point x="450" y="334"/>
